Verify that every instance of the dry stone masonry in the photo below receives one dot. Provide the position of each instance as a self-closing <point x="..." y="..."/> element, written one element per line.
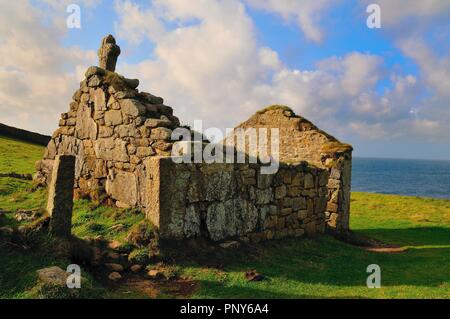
<point x="60" y="195"/>
<point x="112" y="128"/>
<point x="221" y="201"/>
<point x="300" y="140"/>
<point x="121" y="138"/>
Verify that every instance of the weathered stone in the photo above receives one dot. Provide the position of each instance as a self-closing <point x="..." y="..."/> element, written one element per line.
<point x="144" y="151"/>
<point x="60" y="195"/>
<point x="310" y="206"/>
<point x="280" y="192"/>
<point x="155" y="274"/>
<point x="152" y="123"/>
<point x="334" y="183"/>
<point x="114" y="267"/>
<point x="104" y="148"/>
<point x="99" y="99"/>
<point x="264" y="196"/>
<point x="94" y="70"/>
<point x="309" y="181"/>
<point x="323" y="178"/>
<point x="105" y="131"/>
<point x="162" y="145"/>
<point x="332" y="207"/>
<point x="335" y="173"/>
<point x="132" y="83"/>
<point x="86" y="126"/>
<point x="126" y="130"/>
<point x="132" y="108"/>
<point x="136" y="268"/>
<point x="302" y="215"/>
<point x="161" y="133"/>
<point x="95" y="81"/>
<point x="192" y="222"/>
<point x="108" y="53"/>
<point x="114" y="276"/>
<point x="98" y="115"/>
<point x="165" y="110"/>
<point x="53" y="276"/>
<point x="294" y="191"/>
<point x="126" y="94"/>
<point x="264" y="180"/>
<point x="152" y="98"/>
<point x="122" y="186"/>
<point x="298" y="203"/>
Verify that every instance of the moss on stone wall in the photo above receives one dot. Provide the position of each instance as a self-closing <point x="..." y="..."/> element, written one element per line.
<point x="336" y="147"/>
<point x="276" y="107"/>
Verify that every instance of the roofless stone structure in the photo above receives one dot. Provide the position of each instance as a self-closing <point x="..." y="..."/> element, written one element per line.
<point x="121" y="138"/>
<point x="301" y="140"/>
<point x="112" y="128"/>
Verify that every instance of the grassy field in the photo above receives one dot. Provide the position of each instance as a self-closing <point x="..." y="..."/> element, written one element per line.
<point x="17" y="156"/>
<point x="321" y="267"/>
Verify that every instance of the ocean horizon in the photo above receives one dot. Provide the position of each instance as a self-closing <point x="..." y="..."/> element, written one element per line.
<point x="410" y="177"/>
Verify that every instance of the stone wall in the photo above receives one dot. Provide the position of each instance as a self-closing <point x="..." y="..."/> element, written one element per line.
<point x="221" y="201"/>
<point x="112" y="128"/>
<point x="300" y="140"/>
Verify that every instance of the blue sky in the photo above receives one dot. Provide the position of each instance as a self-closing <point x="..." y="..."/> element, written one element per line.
<point x="343" y="23"/>
<point x="385" y="90"/>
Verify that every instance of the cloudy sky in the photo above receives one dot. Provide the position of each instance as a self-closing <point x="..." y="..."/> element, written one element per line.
<point x="386" y="91"/>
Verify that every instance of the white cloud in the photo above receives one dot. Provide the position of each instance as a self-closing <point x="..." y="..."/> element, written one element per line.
<point x="35" y="85"/>
<point x="208" y="64"/>
<point x="435" y="69"/>
<point x="395" y="12"/>
<point x="137" y="23"/>
<point x="214" y="69"/>
<point x="306" y="13"/>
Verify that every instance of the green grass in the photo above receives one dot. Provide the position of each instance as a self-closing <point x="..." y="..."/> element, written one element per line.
<point x="17" y="156"/>
<point x="306" y="268"/>
<point x="91" y="221"/>
<point x="325" y="268"/>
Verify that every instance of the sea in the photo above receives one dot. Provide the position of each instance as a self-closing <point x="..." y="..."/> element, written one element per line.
<point x="423" y="178"/>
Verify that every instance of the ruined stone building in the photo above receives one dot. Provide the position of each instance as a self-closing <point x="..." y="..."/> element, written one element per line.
<point x="121" y="138"/>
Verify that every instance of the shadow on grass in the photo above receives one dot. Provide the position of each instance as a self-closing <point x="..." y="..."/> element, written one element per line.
<point x="325" y="261"/>
<point x="420" y="236"/>
<point x="214" y="290"/>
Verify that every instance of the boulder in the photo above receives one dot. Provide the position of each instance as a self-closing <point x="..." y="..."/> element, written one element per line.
<point x="122" y="186"/>
<point x="53" y="276"/>
<point x="136" y="268"/>
<point x="114" y="276"/>
<point x="114" y="267"/>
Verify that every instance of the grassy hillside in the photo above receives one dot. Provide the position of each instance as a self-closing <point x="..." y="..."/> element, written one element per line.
<point x="306" y="268"/>
<point x="17" y="156"/>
